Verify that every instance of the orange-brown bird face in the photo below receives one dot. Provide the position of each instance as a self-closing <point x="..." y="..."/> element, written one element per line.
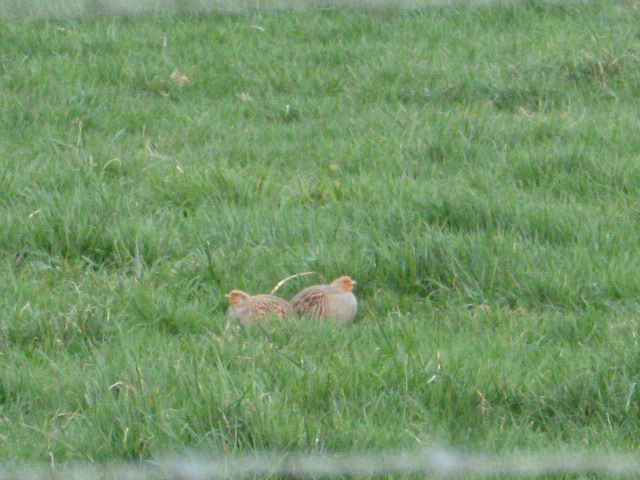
<point x="236" y="297"/>
<point x="344" y="283"/>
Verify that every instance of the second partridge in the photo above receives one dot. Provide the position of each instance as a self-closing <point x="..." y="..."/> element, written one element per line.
<point x="247" y="308"/>
<point x="335" y="300"/>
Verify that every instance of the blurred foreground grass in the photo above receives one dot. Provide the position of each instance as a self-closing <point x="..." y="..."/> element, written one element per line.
<point x="474" y="168"/>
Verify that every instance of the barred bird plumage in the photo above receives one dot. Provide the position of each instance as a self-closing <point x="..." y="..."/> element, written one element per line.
<point x="335" y="300"/>
<point x="249" y="308"/>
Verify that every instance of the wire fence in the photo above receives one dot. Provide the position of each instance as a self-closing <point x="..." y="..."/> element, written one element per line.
<point x="434" y="463"/>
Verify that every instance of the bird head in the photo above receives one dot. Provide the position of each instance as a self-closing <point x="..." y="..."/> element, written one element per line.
<point x="344" y="283"/>
<point x="236" y="297"/>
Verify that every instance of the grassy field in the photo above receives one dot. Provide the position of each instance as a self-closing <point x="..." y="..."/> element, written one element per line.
<point x="475" y="169"/>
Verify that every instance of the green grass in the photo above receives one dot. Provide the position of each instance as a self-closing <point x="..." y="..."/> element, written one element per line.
<point x="476" y="169"/>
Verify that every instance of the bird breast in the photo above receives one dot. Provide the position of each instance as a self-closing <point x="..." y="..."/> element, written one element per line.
<point x="342" y="306"/>
<point x="234" y="313"/>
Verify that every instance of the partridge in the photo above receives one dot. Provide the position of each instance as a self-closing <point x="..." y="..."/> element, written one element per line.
<point x="335" y="300"/>
<point x="247" y="308"/>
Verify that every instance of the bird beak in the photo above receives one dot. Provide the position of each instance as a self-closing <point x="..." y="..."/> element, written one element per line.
<point x="354" y="282"/>
<point x="226" y="295"/>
